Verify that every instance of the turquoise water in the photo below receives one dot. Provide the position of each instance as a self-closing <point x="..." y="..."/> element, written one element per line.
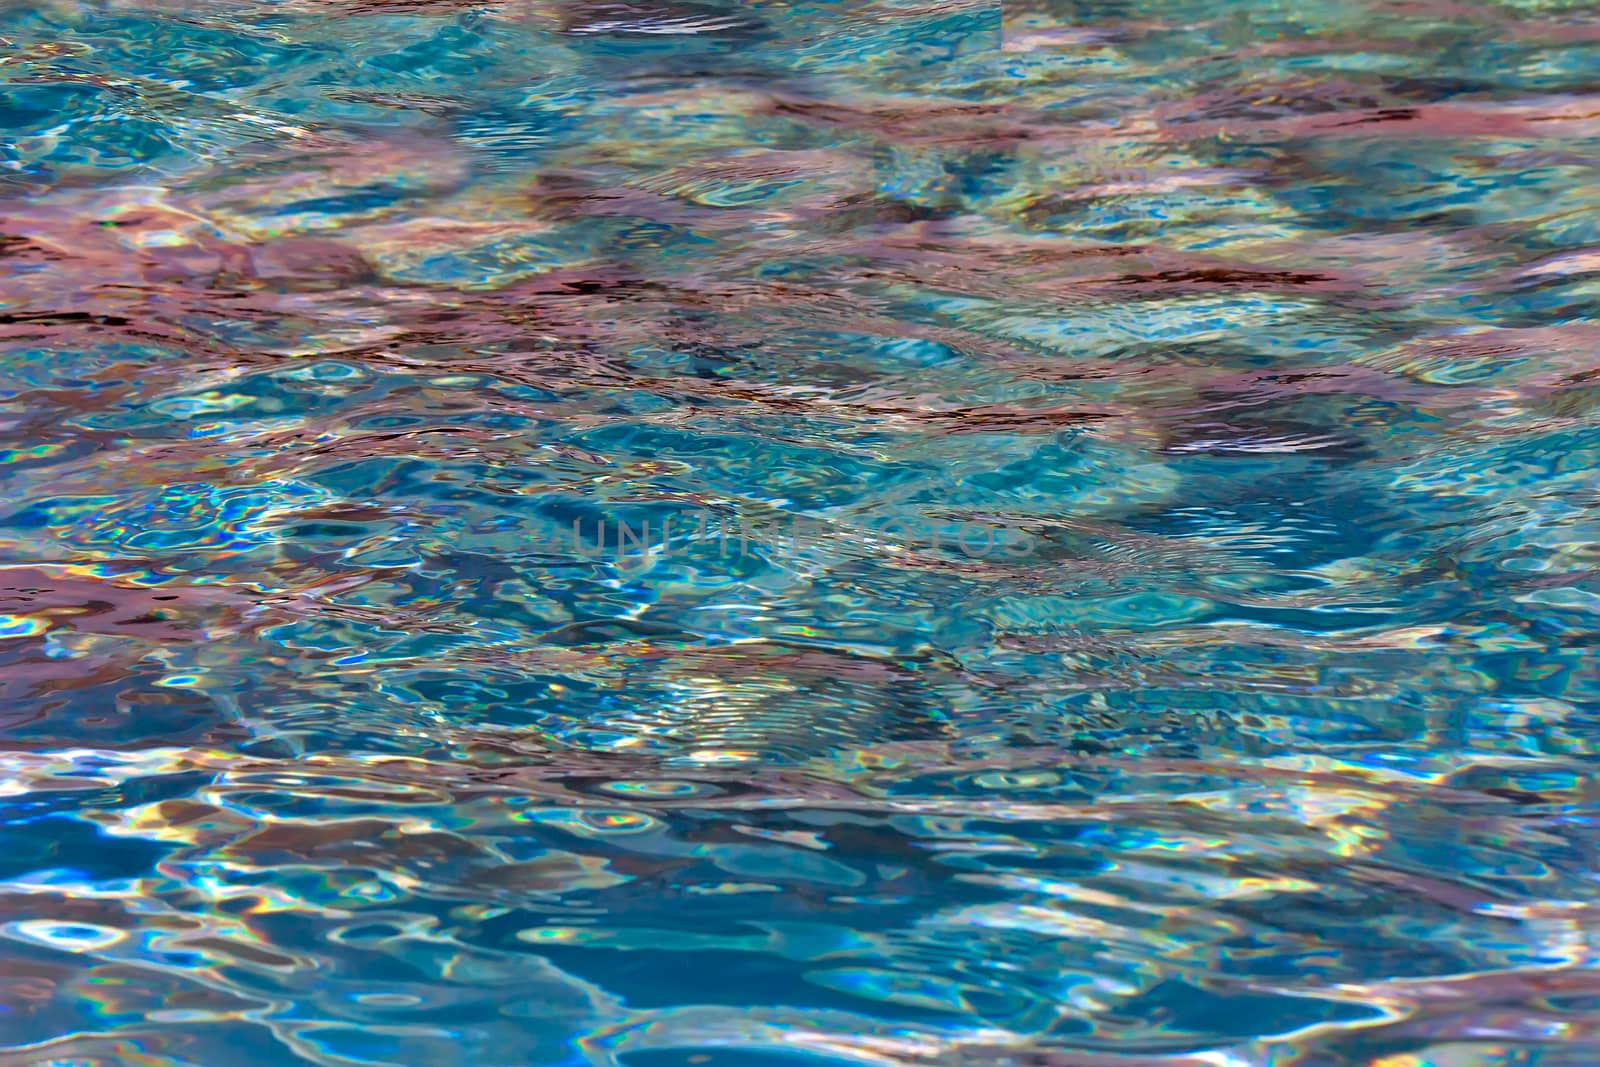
<point x="643" y="534"/>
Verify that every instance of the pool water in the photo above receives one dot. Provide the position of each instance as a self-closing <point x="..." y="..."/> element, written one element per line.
<point x="648" y="533"/>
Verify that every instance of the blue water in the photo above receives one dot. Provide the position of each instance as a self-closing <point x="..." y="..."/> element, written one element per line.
<point x="649" y="534"/>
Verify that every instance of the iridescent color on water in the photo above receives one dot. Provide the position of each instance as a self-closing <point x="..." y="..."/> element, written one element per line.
<point x="638" y="533"/>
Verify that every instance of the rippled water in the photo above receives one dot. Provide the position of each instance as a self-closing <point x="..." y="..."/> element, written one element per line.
<point x="650" y="533"/>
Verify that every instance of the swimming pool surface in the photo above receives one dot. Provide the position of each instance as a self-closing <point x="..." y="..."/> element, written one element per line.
<point x="653" y="533"/>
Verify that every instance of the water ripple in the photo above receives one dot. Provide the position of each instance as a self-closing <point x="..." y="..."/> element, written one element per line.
<point x="653" y="533"/>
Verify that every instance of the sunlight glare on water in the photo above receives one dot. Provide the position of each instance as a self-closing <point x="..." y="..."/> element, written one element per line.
<point x="650" y="533"/>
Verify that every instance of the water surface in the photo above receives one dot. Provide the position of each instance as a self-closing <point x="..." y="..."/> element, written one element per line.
<point x="639" y="534"/>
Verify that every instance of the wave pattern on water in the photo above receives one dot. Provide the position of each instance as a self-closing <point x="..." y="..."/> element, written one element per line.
<point x="650" y="533"/>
